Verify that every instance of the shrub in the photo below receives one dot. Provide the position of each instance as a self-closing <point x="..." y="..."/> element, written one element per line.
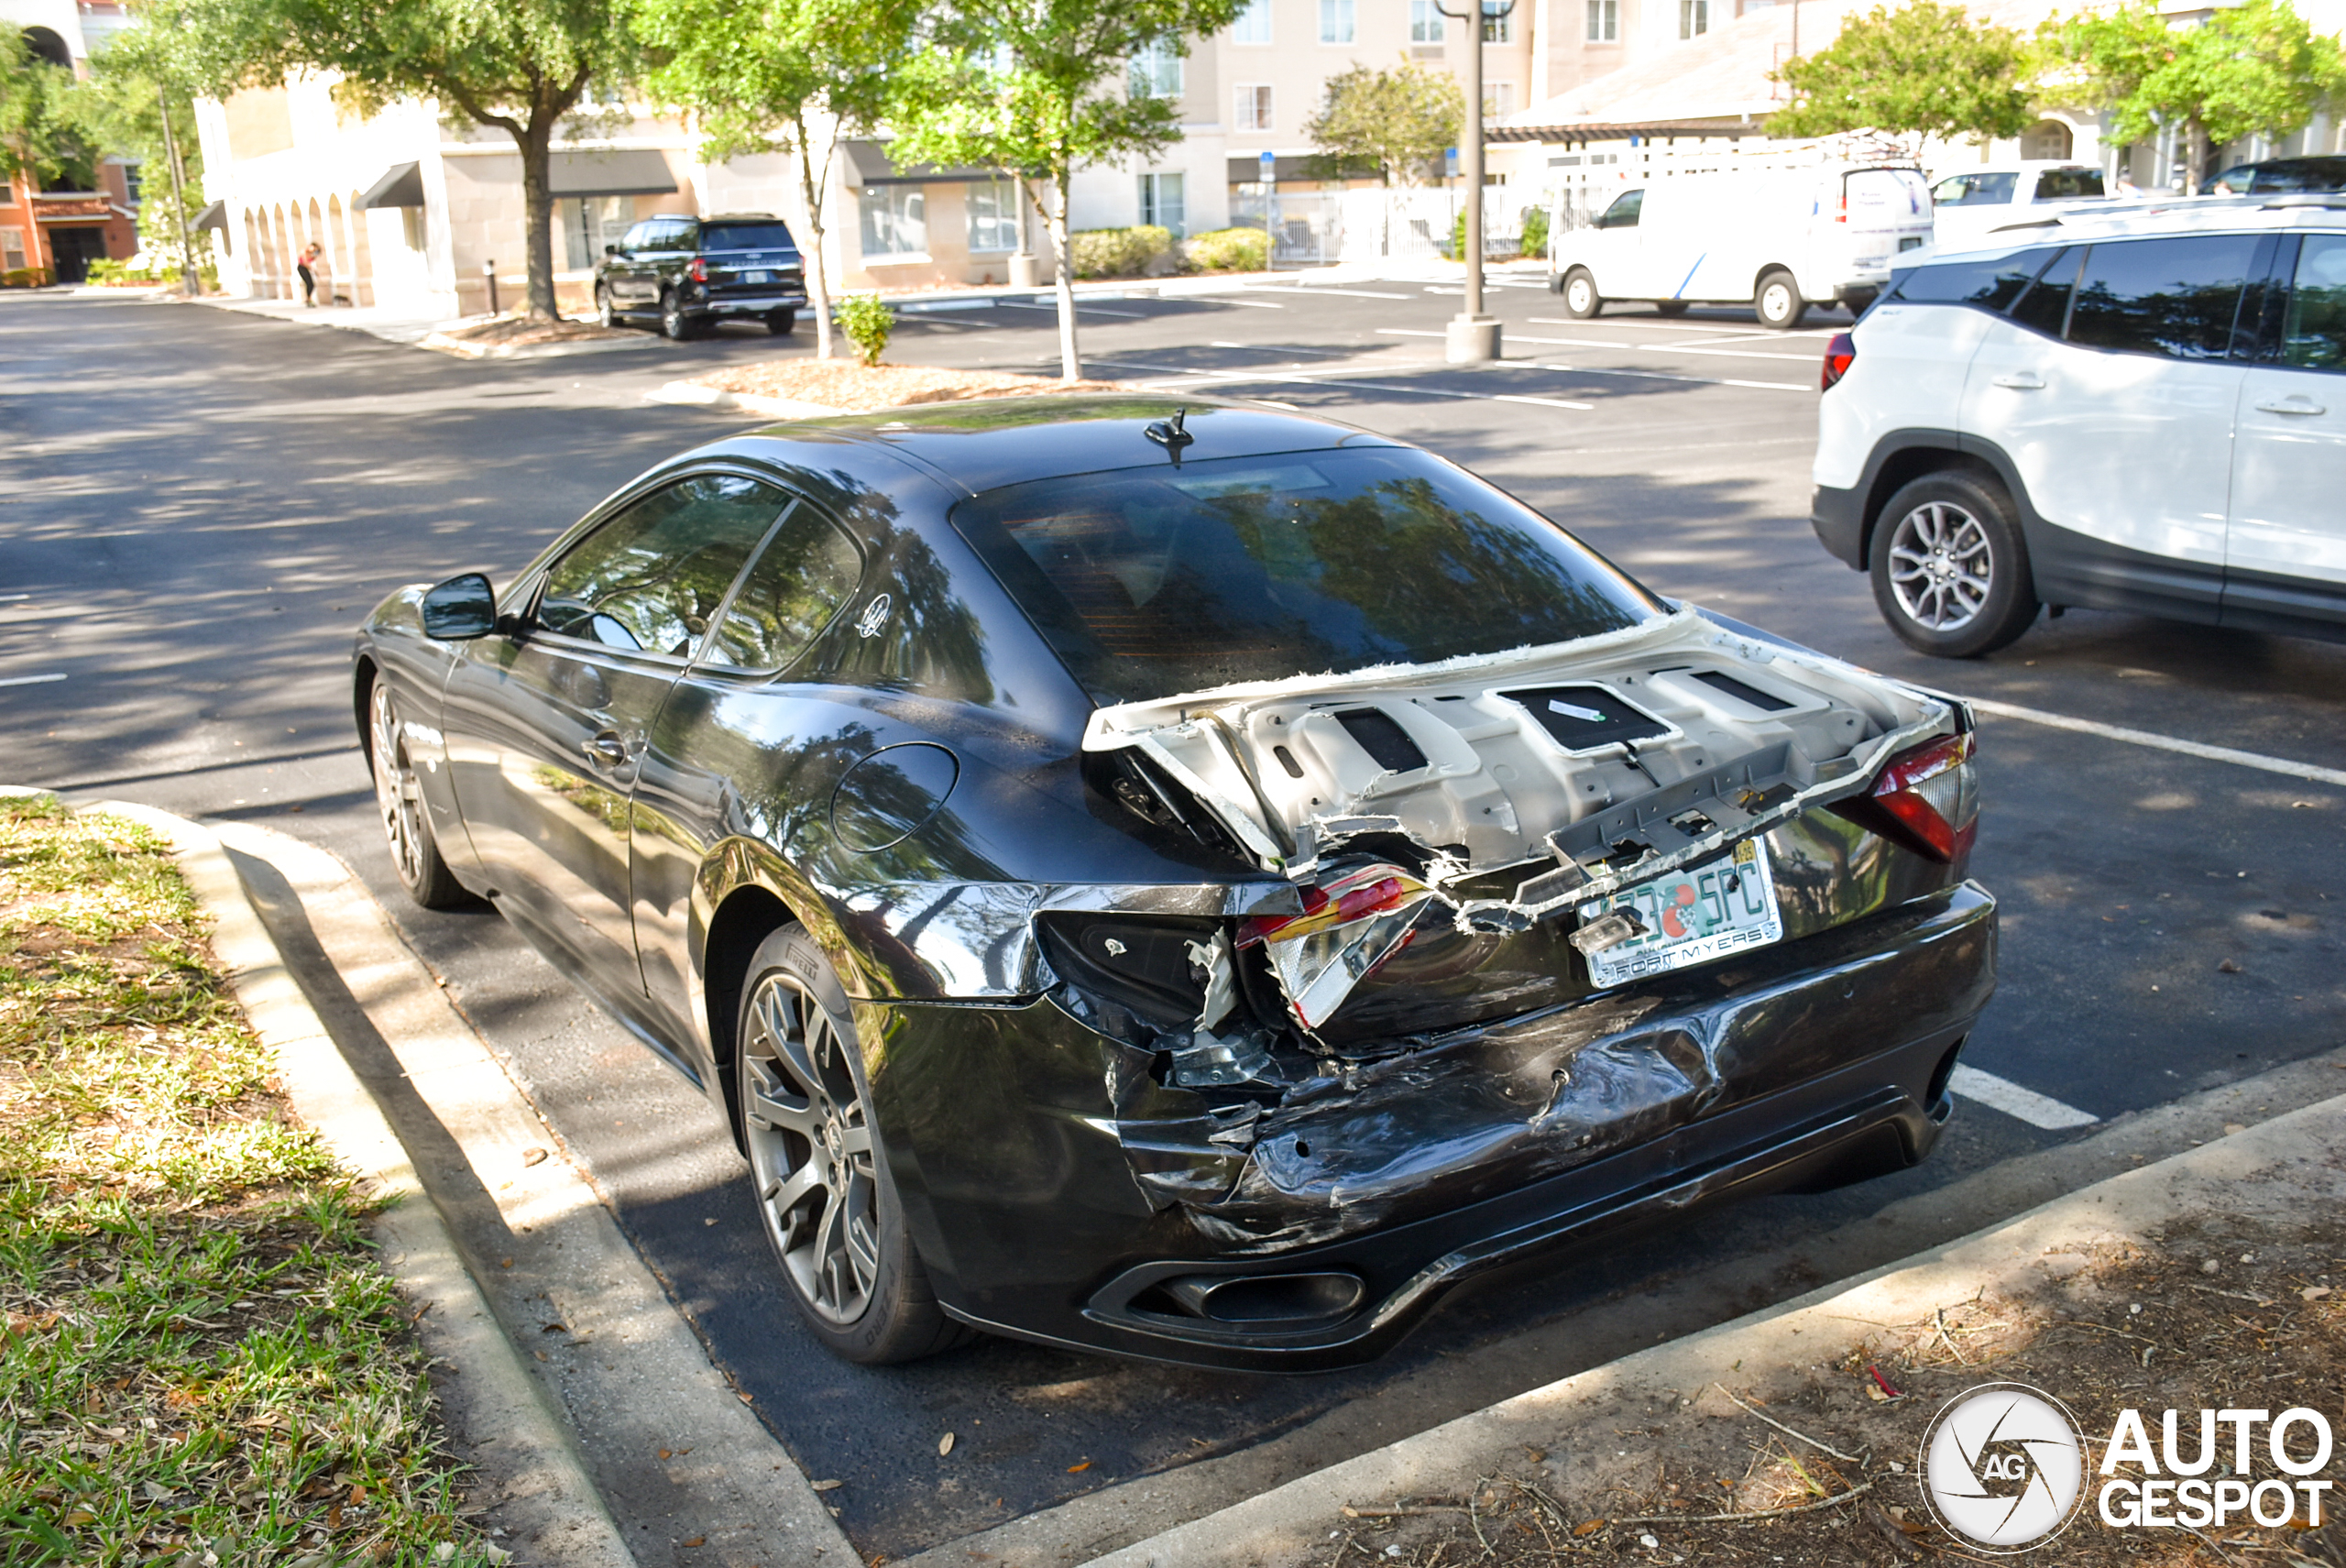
<point x="1535" y="232"/>
<point x="25" y="278"/>
<point x="867" y="319"/>
<point x="1119" y="252"/>
<point x="105" y="269"/>
<point x="1228" y="251"/>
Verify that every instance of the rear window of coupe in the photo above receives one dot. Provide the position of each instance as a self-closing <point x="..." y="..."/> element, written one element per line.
<point x="1151" y="582"/>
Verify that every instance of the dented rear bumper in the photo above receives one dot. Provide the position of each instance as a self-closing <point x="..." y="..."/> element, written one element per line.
<point x="1056" y="1196"/>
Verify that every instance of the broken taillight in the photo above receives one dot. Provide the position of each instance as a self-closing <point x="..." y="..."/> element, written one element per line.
<point x="1840" y="355"/>
<point x="697" y="270"/>
<point x="1925" y="799"/>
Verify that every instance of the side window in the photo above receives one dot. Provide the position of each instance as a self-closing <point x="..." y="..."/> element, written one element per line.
<point x="636" y="237"/>
<point x="1991" y="284"/>
<point x="2175" y="297"/>
<point x="807" y="569"/>
<point x="2046" y="306"/>
<point x="649" y="578"/>
<point x="1622" y="212"/>
<point x="2067" y="184"/>
<point x="1973" y="191"/>
<point x="2313" y="336"/>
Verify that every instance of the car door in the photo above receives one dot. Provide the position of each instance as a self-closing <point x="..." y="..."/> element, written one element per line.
<point x="2119" y="418"/>
<point x="2285" y="554"/>
<point x="545" y="728"/>
<point x="1613" y="252"/>
<point x="711" y="757"/>
<point x="648" y="241"/>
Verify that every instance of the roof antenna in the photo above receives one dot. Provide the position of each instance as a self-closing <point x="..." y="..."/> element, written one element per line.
<point x="1169" y="434"/>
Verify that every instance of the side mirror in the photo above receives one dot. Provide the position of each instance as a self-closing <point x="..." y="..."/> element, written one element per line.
<point x="610" y="250"/>
<point x="460" y="608"/>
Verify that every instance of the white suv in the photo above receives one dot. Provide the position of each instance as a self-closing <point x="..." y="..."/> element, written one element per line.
<point x="2144" y="412"/>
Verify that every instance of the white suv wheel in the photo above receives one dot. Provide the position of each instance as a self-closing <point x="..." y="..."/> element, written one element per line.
<point x="1950" y="566"/>
<point x="1941" y="566"/>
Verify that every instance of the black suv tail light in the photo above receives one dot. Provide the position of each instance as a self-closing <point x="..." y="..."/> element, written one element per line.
<point x="697" y="270"/>
<point x="1840" y="355"/>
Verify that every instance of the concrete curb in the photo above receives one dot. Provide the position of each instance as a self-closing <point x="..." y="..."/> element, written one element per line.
<point x="2271" y="1170"/>
<point x="692" y="394"/>
<point x="441" y="343"/>
<point x="418" y="1250"/>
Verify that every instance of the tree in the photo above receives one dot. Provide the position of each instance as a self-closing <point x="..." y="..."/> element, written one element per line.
<point x="519" y="66"/>
<point x="1396" y="122"/>
<point x="2257" y="69"/>
<point x="40" y="134"/>
<point x="1037" y="86"/>
<point x="788" y="75"/>
<point x="1926" y="69"/>
<point x="136" y="82"/>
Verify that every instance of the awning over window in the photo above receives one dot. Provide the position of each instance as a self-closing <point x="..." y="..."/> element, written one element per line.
<point x="401" y="186"/>
<point x="636" y="171"/>
<point x="214" y="216"/>
<point x="868" y="163"/>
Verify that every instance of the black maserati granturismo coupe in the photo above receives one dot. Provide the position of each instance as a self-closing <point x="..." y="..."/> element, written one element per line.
<point x="1188" y="883"/>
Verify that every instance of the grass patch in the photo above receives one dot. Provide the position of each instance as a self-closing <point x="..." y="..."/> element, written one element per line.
<point x="199" y="1361"/>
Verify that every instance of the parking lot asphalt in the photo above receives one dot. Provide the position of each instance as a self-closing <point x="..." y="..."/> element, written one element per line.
<point x="200" y="507"/>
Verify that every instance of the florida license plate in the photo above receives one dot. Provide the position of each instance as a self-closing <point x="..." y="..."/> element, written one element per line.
<point x="1691" y="918"/>
<point x="757" y="277"/>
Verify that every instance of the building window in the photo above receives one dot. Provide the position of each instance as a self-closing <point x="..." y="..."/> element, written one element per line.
<point x="1425" y="22"/>
<point x="1253" y="106"/>
<point x="993" y="216"/>
<point x="411" y="228"/>
<point x="1498" y="100"/>
<point x="1161" y="204"/>
<point x="1693" y="18"/>
<point x="588" y="224"/>
<point x="130" y="185"/>
<point x="1499" y="30"/>
<point x="1604" y="21"/>
<point x="895" y="221"/>
<point x="1156" y="71"/>
<point x="12" y="249"/>
<point x="1254" y="24"/>
<point x="1335" y="21"/>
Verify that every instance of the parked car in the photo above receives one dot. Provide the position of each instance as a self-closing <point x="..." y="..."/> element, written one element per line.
<point x="1188" y="885"/>
<point x="2278" y="176"/>
<point x="687" y="274"/>
<point x="1969" y="206"/>
<point x="2141" y="410"/>
<point x="1781" y="239"/>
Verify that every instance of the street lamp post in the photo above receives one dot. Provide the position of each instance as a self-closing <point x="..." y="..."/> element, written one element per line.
<point x="1473" y="336"/>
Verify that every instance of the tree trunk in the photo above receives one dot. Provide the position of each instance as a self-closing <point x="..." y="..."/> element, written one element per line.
<point x="537" y="211"/>
<point x="2195" y="155"/>
<point x="1070" y="361"/>
<point x="810" y="249"/>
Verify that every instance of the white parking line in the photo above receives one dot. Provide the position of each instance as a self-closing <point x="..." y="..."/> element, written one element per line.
<point x="11" y="599"/>
<point x="1332" y="376"/>
<point x="1079" y="305"/>
<point x="1667" y="376"/>
<point x="1714" y="328"/>
<point x="1310" y="289"/>
<point x="2025" y="1104"/>
<point x="30" y="680"/>
<point x="2281" y="765"/>
<point x="1286" y="348"/>
<point x="1226" y="300"/>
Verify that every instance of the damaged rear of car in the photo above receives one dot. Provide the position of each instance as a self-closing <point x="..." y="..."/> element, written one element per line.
<point x="1548" y="905"/>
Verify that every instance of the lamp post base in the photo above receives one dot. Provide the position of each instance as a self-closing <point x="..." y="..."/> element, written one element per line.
<point x="1472" y="340"/>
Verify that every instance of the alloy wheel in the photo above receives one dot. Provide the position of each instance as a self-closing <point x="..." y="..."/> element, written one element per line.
<point x="1941" y="566"/>
<point x="810" y="1149"/>
<point x="397" y="793"/>
<point x="604" y="311"/>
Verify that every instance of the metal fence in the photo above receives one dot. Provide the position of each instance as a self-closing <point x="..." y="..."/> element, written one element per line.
<point x="1315" y="227"/>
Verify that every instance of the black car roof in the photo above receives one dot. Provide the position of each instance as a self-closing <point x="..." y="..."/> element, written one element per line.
<point x="984" y="444"/>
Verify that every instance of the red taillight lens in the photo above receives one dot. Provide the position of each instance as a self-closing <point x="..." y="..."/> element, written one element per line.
<point x="1925" y="799"/>
<point x="697" y="270"/>
<point x="1840" y="355"/>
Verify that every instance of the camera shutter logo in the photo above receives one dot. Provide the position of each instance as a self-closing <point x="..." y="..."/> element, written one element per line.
<point x="2004" y="1466"/>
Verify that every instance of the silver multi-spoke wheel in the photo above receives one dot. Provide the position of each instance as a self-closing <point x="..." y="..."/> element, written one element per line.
<point x="397" y="793"/>
<point x="1941" y="566"/>
<point x="810" y="1149"/>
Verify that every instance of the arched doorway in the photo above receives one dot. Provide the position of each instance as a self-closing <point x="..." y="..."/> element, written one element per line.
<point x="2048" y="139"/>
<point x="46" y="45"/>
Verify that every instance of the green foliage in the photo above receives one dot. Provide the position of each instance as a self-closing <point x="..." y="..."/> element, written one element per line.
<point x="1396" y="122"/>
<point x="1120" y="253"/>
<point x="122" y="105"/>
<point x="1227" y="251"/>
<point x="1039" y="89"/>
<point x="41" y="127"/>
<point x="867" y="319"/>
<point x="789" y="76"/>
<point x="2256" y="69"/>
<point x="26" y="278"/>
<point x="1535" y="231"/>
<point x="1924" y="70"/>
<point x="520" y="66"/>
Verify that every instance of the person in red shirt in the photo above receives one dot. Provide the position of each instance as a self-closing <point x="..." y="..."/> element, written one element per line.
<point x="306" y="266"/>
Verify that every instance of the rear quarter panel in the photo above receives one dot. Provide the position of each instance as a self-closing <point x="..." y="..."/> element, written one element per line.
<point x="1909" y="375"/>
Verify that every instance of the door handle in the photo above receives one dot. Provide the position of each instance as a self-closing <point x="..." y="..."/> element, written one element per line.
<point x="2294" y="403"/>
<point x="605" y="748"/>
<point x="2022" y="382"/>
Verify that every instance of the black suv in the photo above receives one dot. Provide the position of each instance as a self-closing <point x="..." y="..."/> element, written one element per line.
<point x="688" y="273"/>
<point x="2278" y="175"/>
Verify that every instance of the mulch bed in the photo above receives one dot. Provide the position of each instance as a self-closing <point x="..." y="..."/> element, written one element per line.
<point x="852" y="386"/>
<point x="515" y="331"/>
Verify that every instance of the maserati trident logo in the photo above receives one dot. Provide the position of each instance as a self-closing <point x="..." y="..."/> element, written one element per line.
<point x="875" y="616"/>
<point x="2004" y="1466"/>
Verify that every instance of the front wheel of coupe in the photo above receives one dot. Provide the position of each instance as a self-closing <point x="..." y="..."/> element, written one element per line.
<point x="407" y="823"/>
<point x="1950" y="570"/>
<point x="822" y="1188"/>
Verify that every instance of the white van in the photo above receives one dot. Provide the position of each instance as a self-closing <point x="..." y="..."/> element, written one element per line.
<point x="1782" y="238"/>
